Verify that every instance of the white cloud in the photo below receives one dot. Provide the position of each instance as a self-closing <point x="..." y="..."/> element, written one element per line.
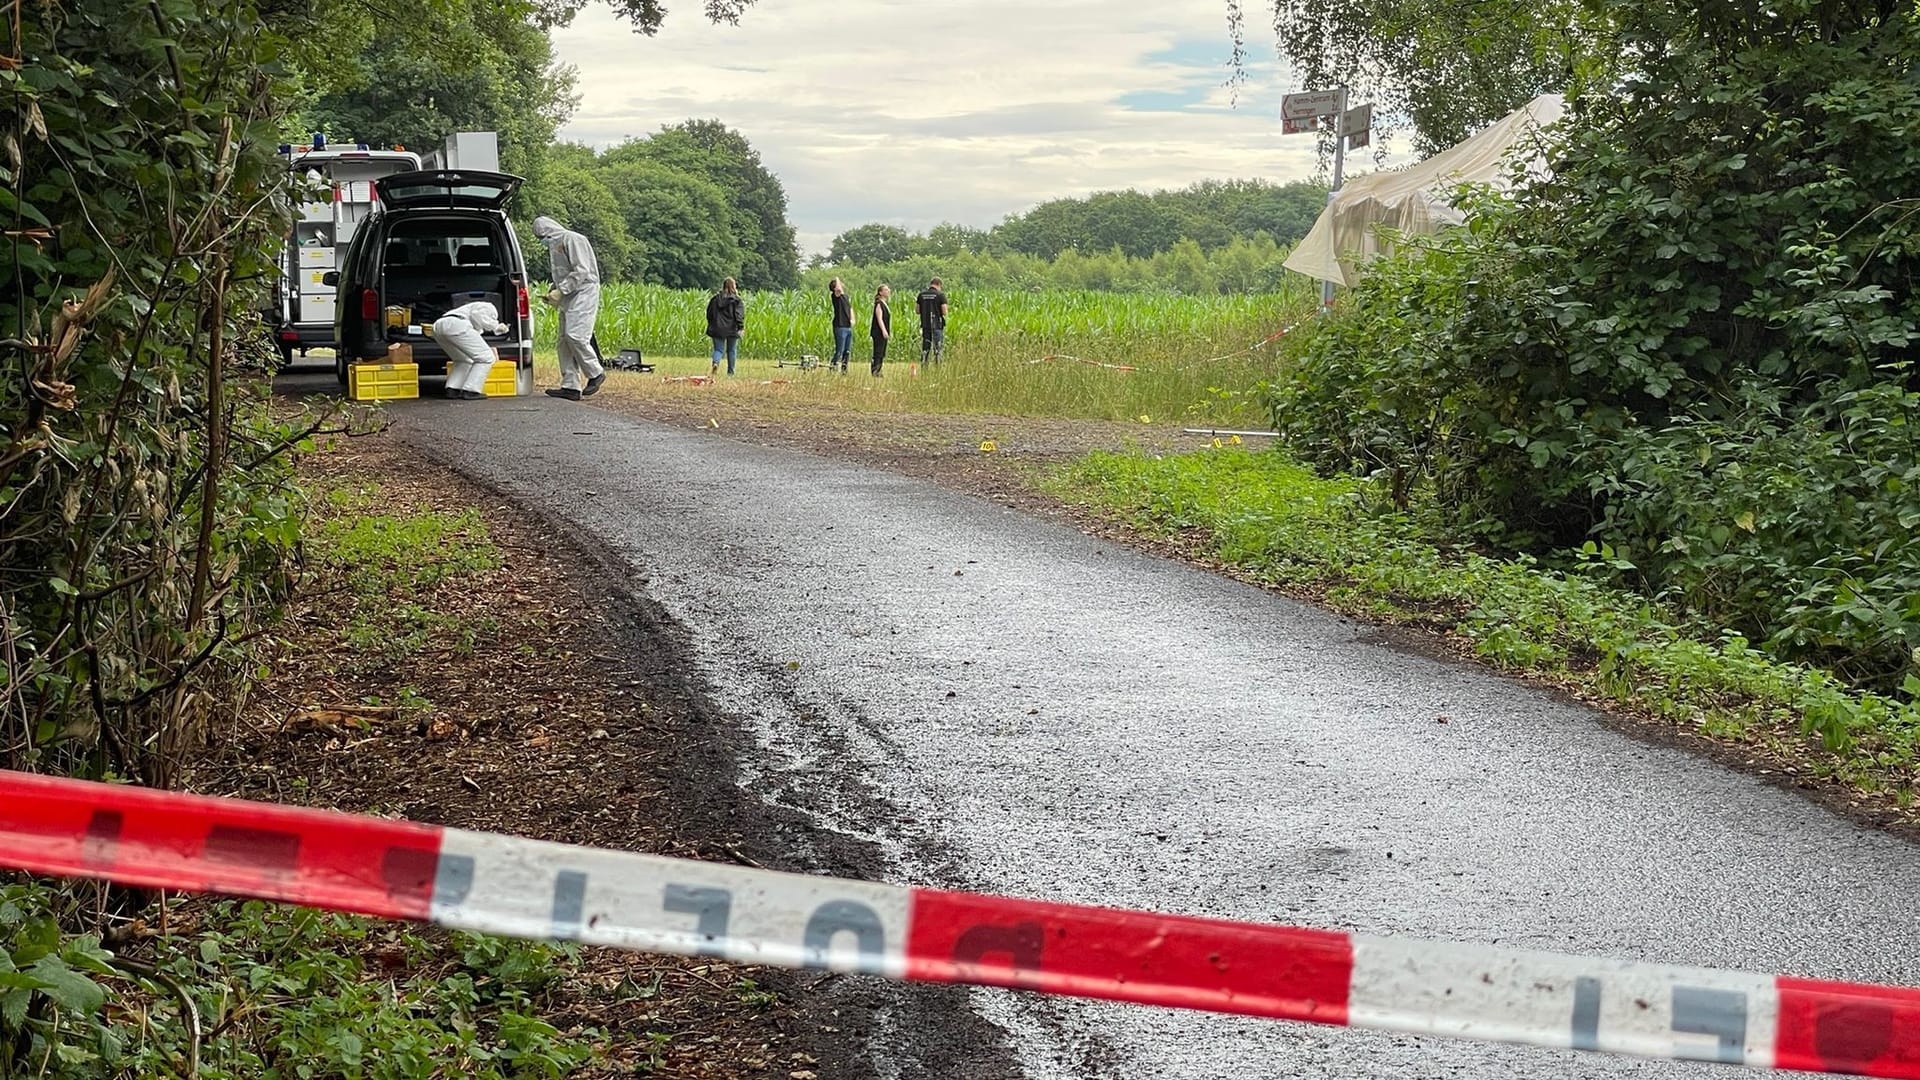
<point x="870" y="111"/>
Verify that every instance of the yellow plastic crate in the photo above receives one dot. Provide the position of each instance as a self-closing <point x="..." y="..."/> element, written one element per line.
<point x="503" y="379"/>
<point x="383" y="382"/>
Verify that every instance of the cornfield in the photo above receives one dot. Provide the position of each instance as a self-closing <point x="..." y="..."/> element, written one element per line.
<point x="1090" y="354"/>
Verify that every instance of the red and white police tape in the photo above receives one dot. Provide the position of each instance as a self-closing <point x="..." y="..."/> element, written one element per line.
<point x="532" y="889"/>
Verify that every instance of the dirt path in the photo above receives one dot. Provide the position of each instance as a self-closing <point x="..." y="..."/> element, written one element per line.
<point x="569" y="722"/>
<point x="947" y="449"/>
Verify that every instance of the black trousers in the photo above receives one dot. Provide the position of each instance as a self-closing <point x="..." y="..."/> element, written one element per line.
<point x="879" y="353"/>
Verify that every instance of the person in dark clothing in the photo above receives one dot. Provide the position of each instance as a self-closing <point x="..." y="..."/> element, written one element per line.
<point x="882" y="326"/>
<point x="933" y="322"/>
<point x="842" y="325"/>
<point x="726" y="321"/>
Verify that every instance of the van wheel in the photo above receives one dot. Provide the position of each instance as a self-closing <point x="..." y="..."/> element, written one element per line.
<point x="340" y="368"/>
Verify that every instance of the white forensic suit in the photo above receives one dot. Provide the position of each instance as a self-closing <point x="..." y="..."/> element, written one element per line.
<point x="469" y="357"/>
<point x="576" y="278"/>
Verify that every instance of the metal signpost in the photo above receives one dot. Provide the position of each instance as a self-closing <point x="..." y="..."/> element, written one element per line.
<point x="1303" y="112"/>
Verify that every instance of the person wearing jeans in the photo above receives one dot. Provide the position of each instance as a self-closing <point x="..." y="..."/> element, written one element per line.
<point x="726" y="321"/>
<point x="842" y="326"/>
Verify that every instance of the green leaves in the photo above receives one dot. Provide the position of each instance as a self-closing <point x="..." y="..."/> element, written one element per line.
<point x="1692" y="344"/>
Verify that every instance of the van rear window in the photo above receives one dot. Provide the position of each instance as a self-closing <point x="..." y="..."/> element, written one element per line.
<point x="436" y="246"/>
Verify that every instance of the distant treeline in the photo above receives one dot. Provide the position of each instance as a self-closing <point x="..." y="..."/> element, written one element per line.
<point x="1212" y="214"/>
<point x="1216" y="236"/>
<point x="1242" y="266"/>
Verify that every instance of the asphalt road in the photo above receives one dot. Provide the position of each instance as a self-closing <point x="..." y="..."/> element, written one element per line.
<point x="985" y="700"/>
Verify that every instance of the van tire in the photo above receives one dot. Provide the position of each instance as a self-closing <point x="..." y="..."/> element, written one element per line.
<point x="340" y="367"/>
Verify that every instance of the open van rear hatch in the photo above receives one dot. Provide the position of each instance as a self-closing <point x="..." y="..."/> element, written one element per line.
<point x="447" y="189"/>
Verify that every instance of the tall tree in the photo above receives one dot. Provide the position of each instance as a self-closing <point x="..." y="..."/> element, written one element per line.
<point x="721" y="155"/>
<point x="681" y="220"/>
<point x="870" y="245"/>
<point x="1444" y="68"/>
<point x="400" y="87"/>
<point x="570" y="189"/>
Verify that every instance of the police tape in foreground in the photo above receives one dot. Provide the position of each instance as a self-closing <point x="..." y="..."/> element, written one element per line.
<point x="531" y="889"/>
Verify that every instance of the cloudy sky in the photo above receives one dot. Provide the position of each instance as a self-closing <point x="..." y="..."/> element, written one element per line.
<point x="965" y="112"/>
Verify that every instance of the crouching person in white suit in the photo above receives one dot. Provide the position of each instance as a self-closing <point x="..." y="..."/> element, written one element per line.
<point x="469" y="357"/>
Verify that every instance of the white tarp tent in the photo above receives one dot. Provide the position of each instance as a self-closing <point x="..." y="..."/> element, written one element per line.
<point x="1413" y="199"/>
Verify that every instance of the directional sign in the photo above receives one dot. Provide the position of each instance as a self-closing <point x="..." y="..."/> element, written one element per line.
<point x="1294" y="125"/>
<point x="1312" y="104"/>
<point x="1357" y="125"/>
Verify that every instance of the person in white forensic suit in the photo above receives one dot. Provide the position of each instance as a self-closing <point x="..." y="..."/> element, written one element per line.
<point x="576" y="292"/>
<point x="469" y="357"/>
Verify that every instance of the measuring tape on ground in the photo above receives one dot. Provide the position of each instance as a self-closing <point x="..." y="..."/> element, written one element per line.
<point x="538" y="890"/>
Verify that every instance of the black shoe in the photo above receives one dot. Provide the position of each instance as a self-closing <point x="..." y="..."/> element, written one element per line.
<point x="563" y="392"/>
<point x="476" y="395"/>
<point x="593" y="385"/>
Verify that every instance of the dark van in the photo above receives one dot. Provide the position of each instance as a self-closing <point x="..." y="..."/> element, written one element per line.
<point x="439" y="240"/>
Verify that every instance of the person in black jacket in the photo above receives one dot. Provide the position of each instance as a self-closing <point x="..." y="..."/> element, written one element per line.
<point x="882" y="326"/>
<point x="932" y="304"/>
<point x="842" y="325"/>
<point x="726" y="321"/>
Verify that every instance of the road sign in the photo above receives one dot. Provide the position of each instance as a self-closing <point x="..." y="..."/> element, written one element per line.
<point x="1294" y="125"/>
<point x="1312" y="104"/>
<point x="1357" y="125"/>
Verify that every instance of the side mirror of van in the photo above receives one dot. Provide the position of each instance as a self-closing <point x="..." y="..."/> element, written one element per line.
<point x="330" y="279"/>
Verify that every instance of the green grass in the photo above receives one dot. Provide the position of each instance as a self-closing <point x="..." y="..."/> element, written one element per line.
<point x="1008" y="353"/>
<point x="388" y="567"/>
<point x="280" y="992"/>
<point x="1279" y="523"/>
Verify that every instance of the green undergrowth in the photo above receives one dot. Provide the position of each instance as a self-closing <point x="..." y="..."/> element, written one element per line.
<point x="278" y="994"/>
<point x="384" y="570"/>
<point x="290" y="994"/>
<point x="1280" y="524"/>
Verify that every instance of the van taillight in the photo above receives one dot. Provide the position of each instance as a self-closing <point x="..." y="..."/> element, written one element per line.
<point x="524" y="310"/>
<point x="369" y="304"/>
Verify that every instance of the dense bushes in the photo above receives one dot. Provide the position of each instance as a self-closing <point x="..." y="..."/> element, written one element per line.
<point x="1692" y="347"/>
<point x="146" y="510"/>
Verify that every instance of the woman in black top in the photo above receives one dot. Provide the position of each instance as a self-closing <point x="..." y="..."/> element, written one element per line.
<point x="726" y="321"/>
<point x="842" y="325"/>
<point x="882" y="326"/>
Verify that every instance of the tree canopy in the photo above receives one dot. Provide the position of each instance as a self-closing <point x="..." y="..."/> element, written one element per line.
<point x="687" y="206"/>
<point x="1693" y="346"/>
<point x="1212" y="214"/>
<point x="756" y="203"/>
<point x="1441" y="69"/>
<point x="399" y="89"/>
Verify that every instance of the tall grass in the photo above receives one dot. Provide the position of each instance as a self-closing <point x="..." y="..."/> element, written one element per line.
<point x="1017" y="353"/>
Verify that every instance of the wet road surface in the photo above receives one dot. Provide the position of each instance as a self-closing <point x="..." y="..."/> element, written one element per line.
<point x="985" y="700"/>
